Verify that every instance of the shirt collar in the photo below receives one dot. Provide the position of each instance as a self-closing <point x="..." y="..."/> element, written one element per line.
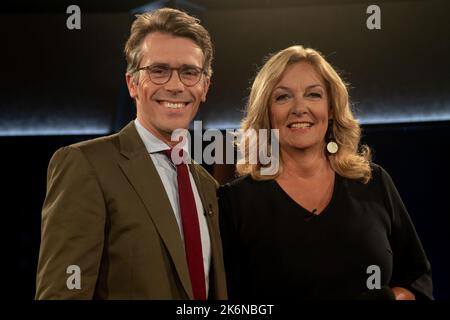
<point x="151" y="142"/>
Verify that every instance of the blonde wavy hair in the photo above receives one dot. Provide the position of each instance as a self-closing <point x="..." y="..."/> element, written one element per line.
<point x="352" y="160"/>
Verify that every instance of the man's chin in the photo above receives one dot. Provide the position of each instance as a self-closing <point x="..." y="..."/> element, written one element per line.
<point x="175" y="130"/>
<point x="181" y="126"/>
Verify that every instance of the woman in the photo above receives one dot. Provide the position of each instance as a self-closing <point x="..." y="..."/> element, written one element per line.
<point x="329" y="224"/>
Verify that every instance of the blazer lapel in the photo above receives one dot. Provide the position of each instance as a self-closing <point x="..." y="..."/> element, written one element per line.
<point x="144" y="178"/>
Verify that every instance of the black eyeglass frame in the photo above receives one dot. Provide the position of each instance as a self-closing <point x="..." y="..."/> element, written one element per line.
<point x="201" y="72"/>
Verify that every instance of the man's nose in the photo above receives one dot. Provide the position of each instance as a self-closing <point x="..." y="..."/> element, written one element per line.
<point x="174" y="84"/>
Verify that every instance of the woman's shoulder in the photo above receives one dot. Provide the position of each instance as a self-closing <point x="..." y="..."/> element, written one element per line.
<point x="379" y="174"/>
<point x="376" y="170"/>
<point x="378" y="186"/>
<point x="246" y="196"/>
<point x="245" y="181"/>
<point x="378" y="179"/>
<point x="244" y="185"/>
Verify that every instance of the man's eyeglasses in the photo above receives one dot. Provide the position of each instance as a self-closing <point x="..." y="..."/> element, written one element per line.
<point x="161" y="74"/>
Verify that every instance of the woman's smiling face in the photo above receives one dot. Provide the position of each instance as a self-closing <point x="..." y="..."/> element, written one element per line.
<point x="299" y="107"/>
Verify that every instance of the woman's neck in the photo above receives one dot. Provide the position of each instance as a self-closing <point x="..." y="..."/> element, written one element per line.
<point x="304" y="164"/>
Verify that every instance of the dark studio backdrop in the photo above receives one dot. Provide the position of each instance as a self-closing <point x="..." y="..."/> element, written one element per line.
<point x="60" y="86"/>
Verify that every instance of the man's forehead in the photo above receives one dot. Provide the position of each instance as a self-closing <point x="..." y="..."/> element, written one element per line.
<point x="164" y="48"/>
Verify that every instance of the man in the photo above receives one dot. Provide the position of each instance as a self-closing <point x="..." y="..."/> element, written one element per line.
<point x="120" y="219"/>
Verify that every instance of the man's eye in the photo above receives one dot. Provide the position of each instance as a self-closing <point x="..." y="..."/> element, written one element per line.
<point x="190" y="72"/>
<point x="158" y="71"/>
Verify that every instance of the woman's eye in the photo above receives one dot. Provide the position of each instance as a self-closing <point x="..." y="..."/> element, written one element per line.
<point x="314" y="95"/>
<point x="281" y="97"/>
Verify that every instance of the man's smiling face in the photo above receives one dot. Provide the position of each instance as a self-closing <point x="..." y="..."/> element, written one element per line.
<point x="161" y="109"/>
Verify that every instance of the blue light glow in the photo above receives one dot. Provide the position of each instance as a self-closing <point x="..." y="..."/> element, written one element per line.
<point x="363" y="120"/>
<point x="41" y="131"/>
<point x="401" y="118"/>
<point x="93" y="127"/>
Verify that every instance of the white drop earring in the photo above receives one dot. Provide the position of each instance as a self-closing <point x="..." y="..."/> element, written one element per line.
<point x="332" y="146"/>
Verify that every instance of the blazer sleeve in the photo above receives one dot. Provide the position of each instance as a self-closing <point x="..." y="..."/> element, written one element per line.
<point x="72" y="229"/>
<point x="411" y="268"/>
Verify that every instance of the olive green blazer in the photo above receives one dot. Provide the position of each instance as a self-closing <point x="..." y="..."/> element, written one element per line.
<point x="106" y="211"/>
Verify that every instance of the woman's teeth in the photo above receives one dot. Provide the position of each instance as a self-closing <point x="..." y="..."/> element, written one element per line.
<point x="301" y="125"/>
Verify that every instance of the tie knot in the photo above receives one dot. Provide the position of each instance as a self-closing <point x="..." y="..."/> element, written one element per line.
<point x="176" y="155"/>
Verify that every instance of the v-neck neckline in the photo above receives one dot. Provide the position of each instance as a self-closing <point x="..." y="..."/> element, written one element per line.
<point x="308" y="215"/>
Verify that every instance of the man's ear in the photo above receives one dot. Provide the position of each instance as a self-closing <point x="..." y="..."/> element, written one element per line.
<point x="132" y="86"/>
<point x="206" y="84"/>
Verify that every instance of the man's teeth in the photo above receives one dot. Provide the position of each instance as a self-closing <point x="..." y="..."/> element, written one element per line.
<point x="301" y="125"/>
<point x="172" y="105"/>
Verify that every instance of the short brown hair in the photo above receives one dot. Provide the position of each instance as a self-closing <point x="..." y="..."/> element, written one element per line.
<point x="170" y="21"/>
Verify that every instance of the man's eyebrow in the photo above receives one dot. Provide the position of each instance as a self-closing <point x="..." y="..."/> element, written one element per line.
<point x="161" y="64"/>
<point x="190" y="66"/>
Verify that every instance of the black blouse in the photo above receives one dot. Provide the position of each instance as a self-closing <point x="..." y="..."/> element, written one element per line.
<point x="274" y="248"/>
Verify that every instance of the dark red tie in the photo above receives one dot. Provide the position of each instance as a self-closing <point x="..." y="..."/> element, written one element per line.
<point x="191" y="228"/>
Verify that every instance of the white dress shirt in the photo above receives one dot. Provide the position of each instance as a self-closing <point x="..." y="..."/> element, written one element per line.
<point x="168" y="174"/>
